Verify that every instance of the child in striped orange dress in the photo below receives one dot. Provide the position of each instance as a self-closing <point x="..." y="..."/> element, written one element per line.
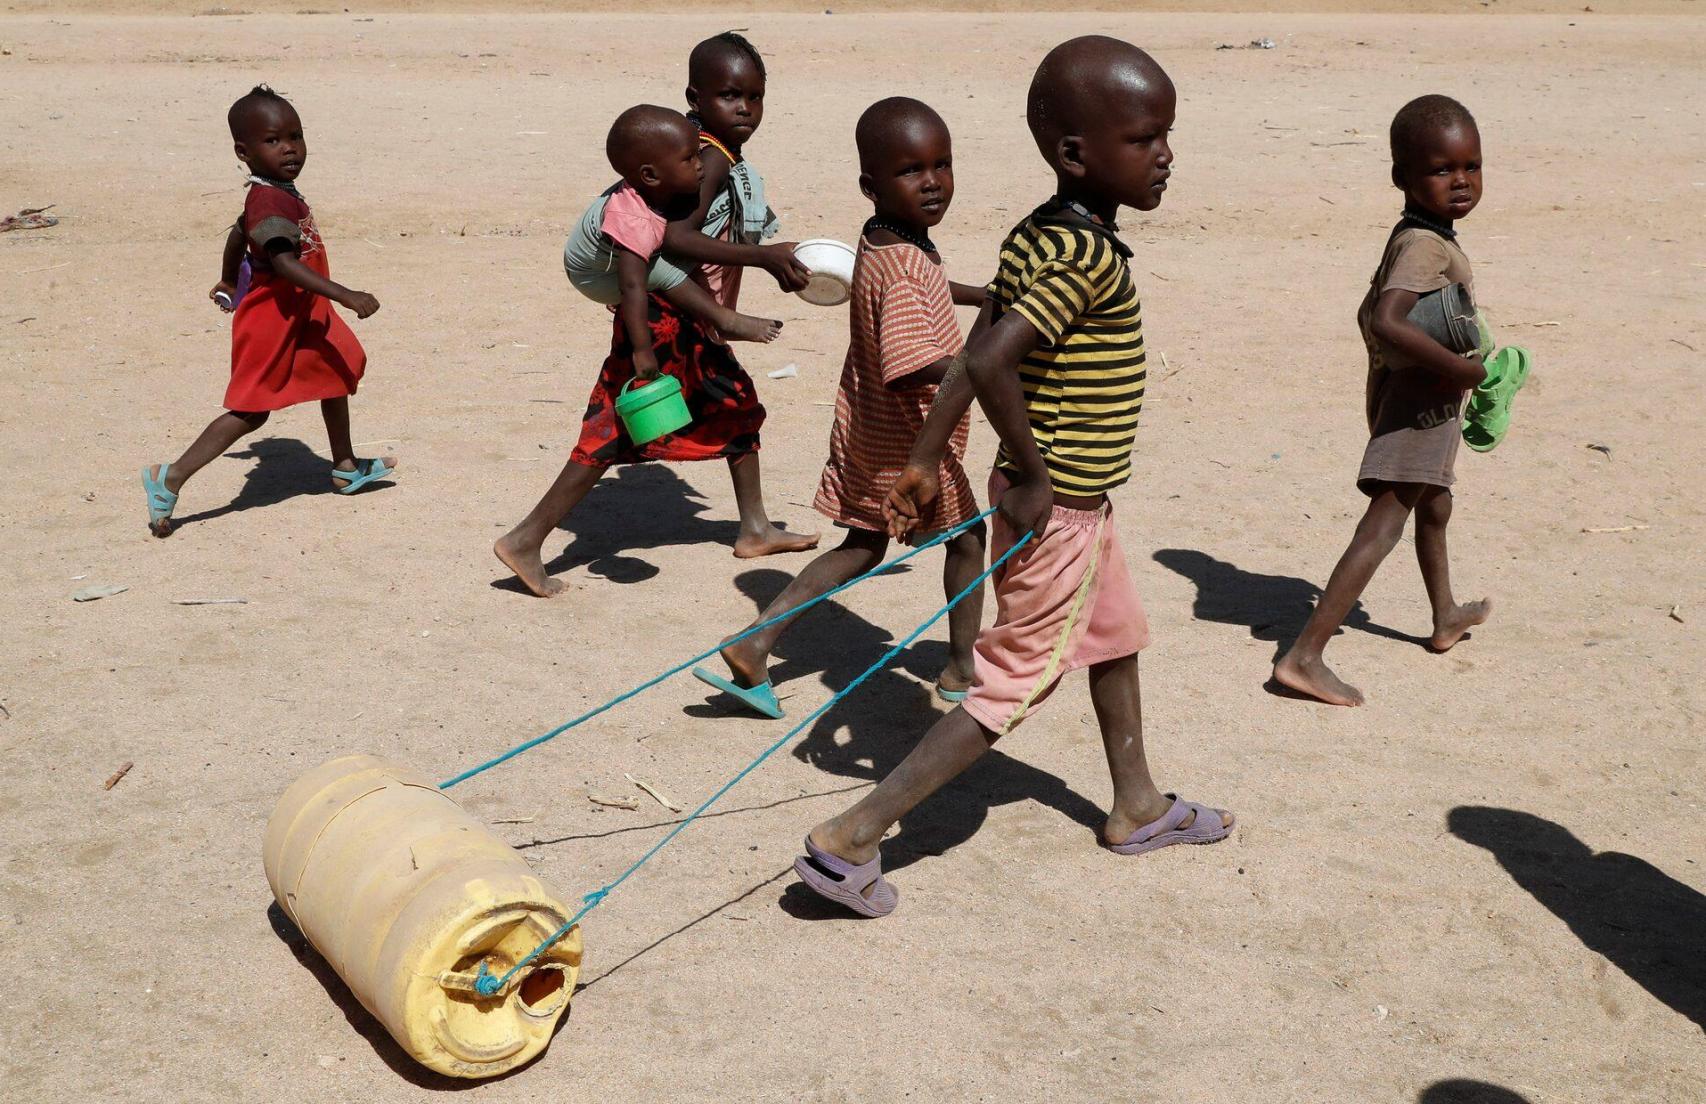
<point x="903" y="337"/>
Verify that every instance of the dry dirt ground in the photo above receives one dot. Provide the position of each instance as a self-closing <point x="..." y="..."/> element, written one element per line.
<point x="1492" y="872"/>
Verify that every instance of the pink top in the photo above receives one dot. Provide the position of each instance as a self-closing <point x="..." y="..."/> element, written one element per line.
<point x="631" y="224"/>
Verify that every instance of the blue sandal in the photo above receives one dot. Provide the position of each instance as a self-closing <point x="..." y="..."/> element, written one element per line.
<point x="161" y="502"/>
<point x="761" y="698"/>
<point x="953" y="697"/>
<point x="366" y="471"/>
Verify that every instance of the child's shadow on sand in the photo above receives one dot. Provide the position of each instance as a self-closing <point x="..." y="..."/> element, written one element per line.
<point x="1272" y="607"/>
<point x="1461" y="1091"/>
<point x="1646" y="923"/>
<point x="867" y="737"/>
<point x="636" y="506"/>
<point x="285" y="468"/>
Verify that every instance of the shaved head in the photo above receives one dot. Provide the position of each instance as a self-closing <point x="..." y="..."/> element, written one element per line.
<point x="259" y="105"/>
<point x="645" y="134"/>
<point x="1421" y="121"/>
<point x="1084" y="81"/>
<point x="716" y="53"/>
<point x="893" y="122"/>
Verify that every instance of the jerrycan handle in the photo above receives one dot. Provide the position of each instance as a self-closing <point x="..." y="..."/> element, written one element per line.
<point x="468" y="981"/>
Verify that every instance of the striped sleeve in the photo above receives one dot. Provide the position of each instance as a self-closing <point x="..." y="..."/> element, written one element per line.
<point x="907" y="337"/>
<point x="1066" y="285"/>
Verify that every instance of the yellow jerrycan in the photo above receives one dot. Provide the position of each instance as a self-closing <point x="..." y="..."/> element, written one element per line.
<point x="405" y="894"/>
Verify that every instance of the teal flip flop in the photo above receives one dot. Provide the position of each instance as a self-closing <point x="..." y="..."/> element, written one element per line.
<point x="760" y="698"/>
<point x="1487" y="414"/>
<point x="951" y="696"/>
<point x="366" y="471"/>
<point x="161" y="502"/>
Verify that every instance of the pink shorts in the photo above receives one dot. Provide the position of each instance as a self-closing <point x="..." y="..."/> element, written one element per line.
<point x="1065" y="601"/>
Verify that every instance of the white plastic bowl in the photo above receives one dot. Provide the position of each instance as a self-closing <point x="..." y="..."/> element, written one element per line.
<point x="831" y="264"/>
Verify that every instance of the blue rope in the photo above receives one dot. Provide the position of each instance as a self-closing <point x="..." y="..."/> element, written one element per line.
<point x="680" y="667"/>
<point x="489" y="984"/>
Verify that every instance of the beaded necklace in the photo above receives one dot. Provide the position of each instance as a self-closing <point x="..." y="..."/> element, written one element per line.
<point x="904" y="233"/>
<point x="1426" y="223"/>
<point x="282" y="185"/>
<point x="1085" y="213"/>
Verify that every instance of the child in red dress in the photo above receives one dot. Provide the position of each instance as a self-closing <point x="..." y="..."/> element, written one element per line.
<point x="287" y="344"/>
<point x="902" y="339"/>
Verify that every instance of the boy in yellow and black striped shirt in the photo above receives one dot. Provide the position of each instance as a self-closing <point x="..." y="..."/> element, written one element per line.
<point x="1056" y="361"/>
<point x="1067" y="276"/>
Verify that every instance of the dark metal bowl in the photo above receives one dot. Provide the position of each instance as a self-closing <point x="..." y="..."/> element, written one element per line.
<point x="1448" y="316"/>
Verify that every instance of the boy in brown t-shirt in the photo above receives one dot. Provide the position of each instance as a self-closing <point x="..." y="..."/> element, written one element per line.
<point x="1415" y="392"/>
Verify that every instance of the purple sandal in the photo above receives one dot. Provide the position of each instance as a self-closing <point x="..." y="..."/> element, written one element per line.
<point x="1206" y="828"/>
<point x="836" y="879"/>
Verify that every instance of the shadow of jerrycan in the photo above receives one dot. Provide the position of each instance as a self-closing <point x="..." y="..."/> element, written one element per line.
<point x="405" y="895"/>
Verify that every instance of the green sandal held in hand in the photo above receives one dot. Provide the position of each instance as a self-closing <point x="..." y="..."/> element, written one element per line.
<point x="1487" y="415"/>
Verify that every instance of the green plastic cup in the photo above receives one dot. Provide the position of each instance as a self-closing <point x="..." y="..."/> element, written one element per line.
<point x="653" y="410"/>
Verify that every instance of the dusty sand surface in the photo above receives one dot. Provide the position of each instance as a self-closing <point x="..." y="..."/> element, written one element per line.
<point x="1357" y="940"/>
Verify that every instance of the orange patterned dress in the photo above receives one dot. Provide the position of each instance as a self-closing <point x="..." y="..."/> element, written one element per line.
<point x="901" y="319"/>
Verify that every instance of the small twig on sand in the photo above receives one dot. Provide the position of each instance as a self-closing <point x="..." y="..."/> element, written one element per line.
<point x="1685" y="344"/>
<point x="1166" y="372"/>
<point x="123" y="770"/>
<point x="517" y="820"/>
<point x="1675" y="614"/>
<point x="629" y="803"/>
<point x="210" y="601"/>
<point x="1617" y="529"/>
<point x="656" y="796"/>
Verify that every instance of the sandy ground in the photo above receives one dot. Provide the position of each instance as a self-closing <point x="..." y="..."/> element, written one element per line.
<point x="1492" y="872"/>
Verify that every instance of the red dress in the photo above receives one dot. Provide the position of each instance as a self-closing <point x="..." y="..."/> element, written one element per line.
<point x="287" y="345"/>
<point x="727" y="415"/>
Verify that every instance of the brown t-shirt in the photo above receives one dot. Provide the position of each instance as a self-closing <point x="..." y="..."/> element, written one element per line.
<point x="1400" y="396"/>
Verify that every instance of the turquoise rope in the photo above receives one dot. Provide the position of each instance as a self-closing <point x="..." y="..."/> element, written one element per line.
<point x="680" y="667"/>
<point x="489" y="984"/>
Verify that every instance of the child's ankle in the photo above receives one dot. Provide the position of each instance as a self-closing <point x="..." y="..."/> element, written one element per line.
<point x="837" y="836"/>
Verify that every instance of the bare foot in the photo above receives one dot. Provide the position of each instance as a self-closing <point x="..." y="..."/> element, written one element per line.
<point x="744" y="327"/>
<point x="1449" y="629"/>
<point x="528" y="567"/>
<point x="749" y="547"/>
<point x="338" y="474"/>
<point x="1119" y="828"/>
<point x="1310" y="675"/>
<point x="746" y="663"/>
